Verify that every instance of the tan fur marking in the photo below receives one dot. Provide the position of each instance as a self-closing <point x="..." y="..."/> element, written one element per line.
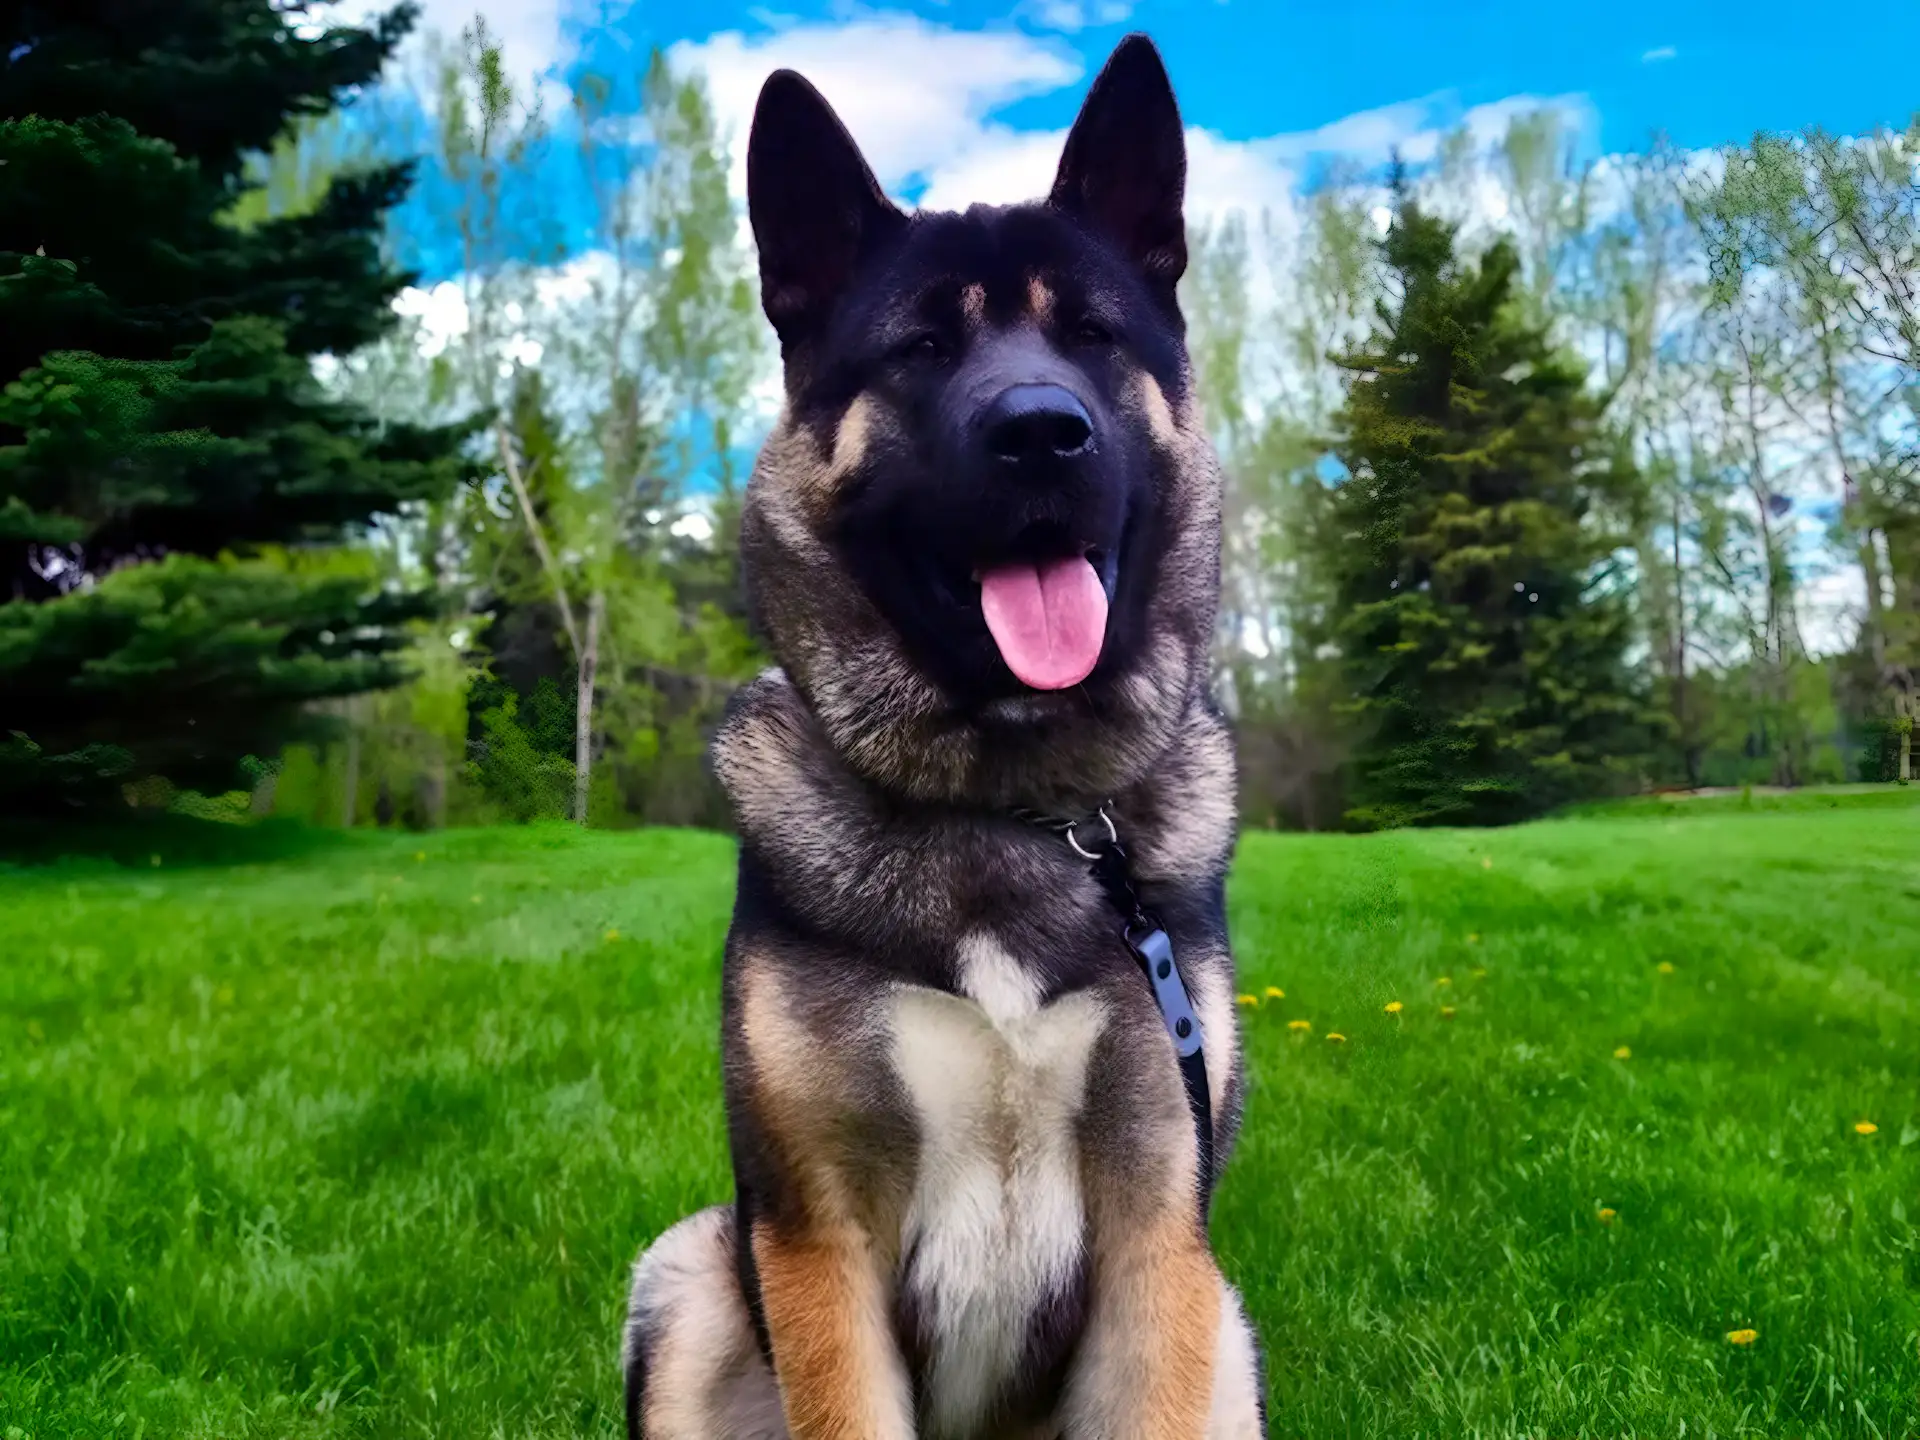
<point x="1146" y="1371"/>
<point x="1040" y="300"/>
<point x="784" y="1063"/>
<point x="1159" y="414"/>
<point x="801" y="1101"/>
<point x="801" y="494"/>
<point x="973" y="304"/>
<point x="841" y="1377"/>
<point x="850" y="440"/>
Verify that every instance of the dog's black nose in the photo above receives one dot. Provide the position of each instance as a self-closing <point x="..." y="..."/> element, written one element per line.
<point x="1037" y="422"/>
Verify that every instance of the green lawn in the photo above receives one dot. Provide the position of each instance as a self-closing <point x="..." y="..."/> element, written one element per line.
<point x="357" y="1135"/>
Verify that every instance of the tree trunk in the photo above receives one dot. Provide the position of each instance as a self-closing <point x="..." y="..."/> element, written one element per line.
<point x="538" y="537"/>
<point x="1904" y="717"/>
<point x="350" y="784"/>
<point x="1688" y="759"/>
<point x="583" y="710"/>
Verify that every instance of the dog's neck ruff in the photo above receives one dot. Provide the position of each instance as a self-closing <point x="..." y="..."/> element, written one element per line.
<point x="1096" y="839"/>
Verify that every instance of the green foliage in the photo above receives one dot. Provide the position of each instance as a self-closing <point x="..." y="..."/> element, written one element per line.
<point x="1468" y="556"/>
<point x="518" y="765"/>
<point x="624" y="436"/>
<point x="160" y="429"/>
<point x="440" y="1089"/>
<point x="223" y="656"/>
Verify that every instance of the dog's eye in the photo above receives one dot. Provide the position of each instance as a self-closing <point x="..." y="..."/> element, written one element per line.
<point x="1091" y="332"/>
<point x="924" y="349"/>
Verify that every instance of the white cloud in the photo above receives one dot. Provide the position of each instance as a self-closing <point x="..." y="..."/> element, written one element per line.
<point x="1071" y="16"/>
<point x="1001" y="167"/>
<point x="694" y="525"/>
<point x="535" y="36"/>
<point x="915" y="95"/>
<point x="920" y="99"/>
<point x="1415" y="128"/>
<point x="441" y="310"/>
<point x="1831" y="605"/>
<point x="1005" y="167"/>
<point x="1659" y="53"/>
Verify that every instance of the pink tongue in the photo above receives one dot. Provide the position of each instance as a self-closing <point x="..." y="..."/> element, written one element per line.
<point x="1048" y="620"/>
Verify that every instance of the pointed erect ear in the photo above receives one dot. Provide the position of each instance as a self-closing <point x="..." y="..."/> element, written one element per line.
<point x="1124" y="171"/>
<point x="816" y="209"/>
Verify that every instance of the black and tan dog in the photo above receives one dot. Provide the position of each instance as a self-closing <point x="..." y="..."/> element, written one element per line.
<point x="984" y="544"/>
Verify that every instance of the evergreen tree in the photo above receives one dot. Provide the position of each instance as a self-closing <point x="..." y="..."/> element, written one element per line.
<point x="167" y="461"/>
<point x="1476" y="610"/>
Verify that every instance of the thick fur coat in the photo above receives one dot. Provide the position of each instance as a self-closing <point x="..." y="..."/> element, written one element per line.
<point x="969" y="1198"/>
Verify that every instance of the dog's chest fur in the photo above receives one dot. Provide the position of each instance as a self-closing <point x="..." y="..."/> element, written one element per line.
<point x="993" y="1242"/>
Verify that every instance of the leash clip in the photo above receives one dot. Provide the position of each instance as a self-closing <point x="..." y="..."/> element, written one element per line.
<point x="1093" y="856"/>
<point x="1152" y="947"/>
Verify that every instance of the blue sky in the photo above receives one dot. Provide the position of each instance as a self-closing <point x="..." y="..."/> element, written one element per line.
<point x="962" y="100"/>
<point x="956" y="101"/>
<point x="1705" y="73"/>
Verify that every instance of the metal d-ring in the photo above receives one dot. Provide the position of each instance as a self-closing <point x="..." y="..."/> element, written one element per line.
<point x="1113" y="837"/>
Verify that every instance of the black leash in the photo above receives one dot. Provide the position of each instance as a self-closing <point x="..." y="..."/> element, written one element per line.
<point x="1147" y="939"/>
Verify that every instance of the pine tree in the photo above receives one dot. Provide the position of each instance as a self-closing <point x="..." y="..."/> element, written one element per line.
<point x="168" y="464"/>
<point x="1476" y="610"/>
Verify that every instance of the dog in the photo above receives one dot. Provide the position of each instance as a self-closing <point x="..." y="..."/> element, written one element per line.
<point x="973" y="1154"/>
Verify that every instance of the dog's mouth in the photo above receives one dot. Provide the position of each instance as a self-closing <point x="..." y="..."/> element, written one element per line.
<point x="1048" y="619"/>
<point x="1045" y="605"/>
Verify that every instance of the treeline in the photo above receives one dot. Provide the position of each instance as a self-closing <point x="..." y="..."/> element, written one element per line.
<point x="1547" y="480"/>
<point x="593" y="623"/>
<point x="1553" y="478"/>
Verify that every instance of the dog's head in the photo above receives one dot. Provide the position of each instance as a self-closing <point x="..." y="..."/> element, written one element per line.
<point x="984" y="538"/>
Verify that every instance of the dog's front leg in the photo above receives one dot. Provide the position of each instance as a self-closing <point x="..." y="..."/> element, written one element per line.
<point x="1145" y="1366"/>
<point x="1145" y="1370"/>
<point x="824" y="1296"/>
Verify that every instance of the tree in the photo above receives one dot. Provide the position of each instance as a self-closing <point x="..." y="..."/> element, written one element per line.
<point x="167" y="460"/>
<point x="1268" y="388"/>
<point x="1477" y="607"/>
<point x="1829" y="232"/>
<point x="601" y="546"/>
<point x="662" y="351"/>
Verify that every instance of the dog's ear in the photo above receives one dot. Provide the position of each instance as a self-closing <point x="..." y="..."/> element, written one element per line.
<point x="815" y="207"/>
<point x="1124" y="169"/>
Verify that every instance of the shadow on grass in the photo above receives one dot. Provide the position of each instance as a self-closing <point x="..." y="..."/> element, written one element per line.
<point x="180" y="840"/>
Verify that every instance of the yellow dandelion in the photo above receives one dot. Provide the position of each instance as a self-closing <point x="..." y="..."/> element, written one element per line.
<point x="1248" y="1000"/>
<point x="1444" y="981"/>
<point x="1394" y="1007"/>
<point x="613" y="934"/>
<point x="1336" y="1037"/>
<point x="1274" y="992"/>
<point x="1607" y="1214"/>
<point x="1299" y="1026"/>
<point x="1446" y="1012"/>
<point x="1486" y="862"/>
<point x="1864" y="1127"/>
<point x="1623" y="1053"/>
<point x="1665" y="967"/>
<point x="1742" y="1337"/>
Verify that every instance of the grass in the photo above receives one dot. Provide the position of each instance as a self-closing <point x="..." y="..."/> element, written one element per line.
<point x="358" y="1138"/>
